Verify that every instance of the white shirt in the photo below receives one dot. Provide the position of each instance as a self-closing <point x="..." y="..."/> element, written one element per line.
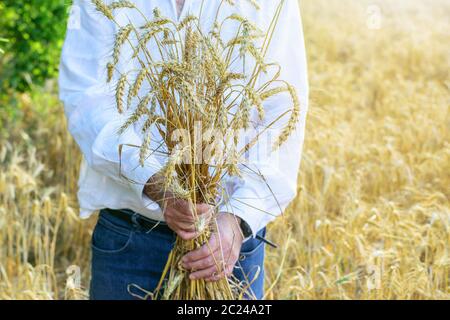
<point x="111" y="180"/>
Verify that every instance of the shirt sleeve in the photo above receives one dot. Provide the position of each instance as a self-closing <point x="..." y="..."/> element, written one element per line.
<point x="269" y="179"/>
<point x="89" y="102"/>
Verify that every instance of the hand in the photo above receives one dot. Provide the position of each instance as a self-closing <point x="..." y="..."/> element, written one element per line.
<point x="217" y="258"/>
<point x="178" y="213"/>
<point x="180" y="217"/>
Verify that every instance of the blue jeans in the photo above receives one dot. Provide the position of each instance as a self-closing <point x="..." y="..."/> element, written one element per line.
<point x="128" y="260"/>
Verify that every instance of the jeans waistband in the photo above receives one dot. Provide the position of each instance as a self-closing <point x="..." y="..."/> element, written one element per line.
<point x="137" y="220"/>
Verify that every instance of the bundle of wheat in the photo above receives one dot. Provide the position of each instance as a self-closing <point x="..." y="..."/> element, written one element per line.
<point x="191" y="81"/>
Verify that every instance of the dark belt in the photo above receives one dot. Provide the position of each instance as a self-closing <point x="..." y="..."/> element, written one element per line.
<point x="134" y="218"/>
<point x="145" y="223"/>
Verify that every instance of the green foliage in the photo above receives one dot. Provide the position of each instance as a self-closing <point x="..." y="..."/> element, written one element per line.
<point x="35" y="29"/>
<point x="2" y="40"/>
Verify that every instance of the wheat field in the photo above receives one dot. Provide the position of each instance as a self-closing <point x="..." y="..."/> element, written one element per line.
<point x="372" y="217"/>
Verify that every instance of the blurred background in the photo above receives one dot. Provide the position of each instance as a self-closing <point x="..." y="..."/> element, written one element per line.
<point x="372" y="217"/>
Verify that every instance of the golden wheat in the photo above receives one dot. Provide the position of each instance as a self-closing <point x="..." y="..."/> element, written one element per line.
<point x="371" y="220"/>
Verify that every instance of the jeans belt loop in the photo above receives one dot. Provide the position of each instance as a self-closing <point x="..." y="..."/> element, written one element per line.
<point x="135" y="221"/>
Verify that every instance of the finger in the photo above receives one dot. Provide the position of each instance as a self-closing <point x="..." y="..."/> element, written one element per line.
<point x="205" y="263"/>
<point x="203" y="251"/>
<point x="185" y="208"/>
<point x="175" y="213"/>
<point x="178" y="225"/>
<point x="203" y="274"/>
<point x="186" y="235"/>
<point x="182" y="218"/>
<point x="180" y="214"/>
<point x="177" y="216"/>
<point x="228" y="270"/>
<point x="188" y="227"/>
<point x="181" y="209"/>
<point x="216" y="277"/>
<point x="203" y="208"/>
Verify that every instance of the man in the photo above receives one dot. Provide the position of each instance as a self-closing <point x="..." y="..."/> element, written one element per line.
<point x="138" y="221"/>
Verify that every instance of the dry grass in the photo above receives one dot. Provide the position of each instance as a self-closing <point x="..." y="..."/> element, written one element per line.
<point x="372" y="219"/>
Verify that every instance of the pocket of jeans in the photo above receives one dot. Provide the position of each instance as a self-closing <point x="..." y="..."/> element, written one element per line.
<point x="250" y="247"/>
<point x="109" y="238"/>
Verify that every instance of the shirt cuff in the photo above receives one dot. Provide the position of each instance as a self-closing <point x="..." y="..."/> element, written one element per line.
<point x="137" y="175"/>
<point x="245" y="204"/>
